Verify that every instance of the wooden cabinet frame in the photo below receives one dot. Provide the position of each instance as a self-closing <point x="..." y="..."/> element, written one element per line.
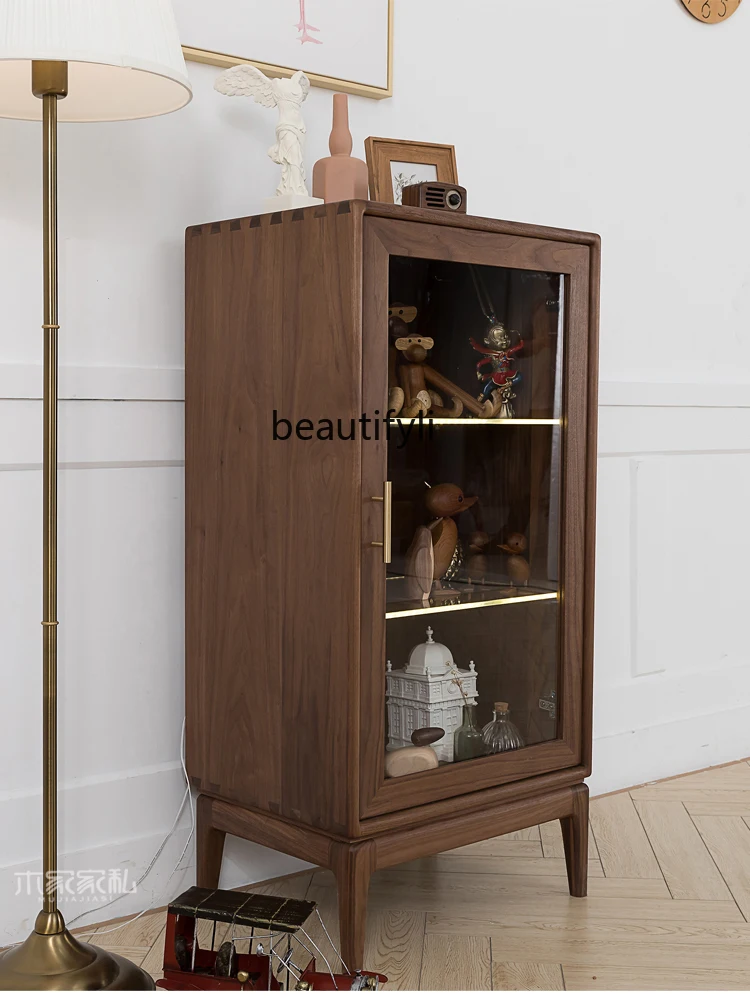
<point x="285" y="594"/>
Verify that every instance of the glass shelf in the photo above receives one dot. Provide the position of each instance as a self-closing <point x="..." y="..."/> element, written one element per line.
<point x="477" y="421"/>
<point x="468" y="599"/>
<point x="497" y="421"/>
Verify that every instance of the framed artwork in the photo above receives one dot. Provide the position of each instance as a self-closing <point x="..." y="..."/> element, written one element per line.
<point x="343" y="45"/>
<point x="393" y="164"/>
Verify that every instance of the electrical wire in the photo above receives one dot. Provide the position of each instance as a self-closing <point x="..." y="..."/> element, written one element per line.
<point x="156" y="856"/>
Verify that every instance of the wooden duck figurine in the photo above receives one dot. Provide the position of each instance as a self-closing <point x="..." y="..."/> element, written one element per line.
<point x="519" y="570"/>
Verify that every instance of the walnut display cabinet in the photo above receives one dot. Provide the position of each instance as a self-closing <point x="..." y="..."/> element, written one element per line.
<point x="306" y="518"/>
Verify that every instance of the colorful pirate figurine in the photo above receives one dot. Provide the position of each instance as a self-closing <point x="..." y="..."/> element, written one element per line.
<point x="498" y="354"/>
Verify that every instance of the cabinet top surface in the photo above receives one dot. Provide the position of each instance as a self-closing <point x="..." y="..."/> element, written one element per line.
<point x="383" y="210"/>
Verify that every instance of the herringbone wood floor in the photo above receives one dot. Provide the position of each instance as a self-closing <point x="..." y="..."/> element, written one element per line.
<point x="668" y="904"/>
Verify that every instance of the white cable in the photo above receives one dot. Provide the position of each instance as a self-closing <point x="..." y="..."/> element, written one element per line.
<point x="156" y="857"/>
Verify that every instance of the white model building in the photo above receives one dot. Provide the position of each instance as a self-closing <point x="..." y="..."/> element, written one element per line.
<point x="426" y="692"/>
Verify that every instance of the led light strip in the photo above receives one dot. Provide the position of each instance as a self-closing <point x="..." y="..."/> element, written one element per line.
<point x="477" y="604"/>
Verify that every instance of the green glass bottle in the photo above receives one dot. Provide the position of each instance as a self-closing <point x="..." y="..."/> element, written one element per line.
<point x="467" y="739"/>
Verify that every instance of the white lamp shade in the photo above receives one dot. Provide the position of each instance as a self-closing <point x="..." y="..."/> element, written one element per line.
<point x="124" y="56"/>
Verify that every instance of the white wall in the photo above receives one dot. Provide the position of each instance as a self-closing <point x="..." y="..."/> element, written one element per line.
<point x="592" y="114"/>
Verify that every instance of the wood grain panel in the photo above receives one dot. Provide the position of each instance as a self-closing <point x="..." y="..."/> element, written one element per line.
<point x="728" y="840"/>
<point x="454" y="862"/>
<point x="699" y="796"/>
<point x="552" y="842"/>
<point x="635" y="943"/>
<point x="499" y="847"/>
<point x="394" y="941"/>
<point x="504" y="900"/>
<point x="624" y="848"/>
<point x="526" y="976"/>
<point x="588" y="977"/>
<point x="530" y="833"/>
<point x="461" y="963"/>
<point x="734" y="777"/>
<point x="271" y="610"/>
<point x="684" y="860"/>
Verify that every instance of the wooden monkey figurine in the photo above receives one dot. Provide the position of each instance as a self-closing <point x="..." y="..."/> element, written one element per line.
<point x="399" y="316"/>
<point x="408" y="394"/>
<point x="519" y="570"/>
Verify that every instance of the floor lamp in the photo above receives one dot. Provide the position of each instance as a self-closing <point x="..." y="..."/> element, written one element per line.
<point x="76" y="61"/>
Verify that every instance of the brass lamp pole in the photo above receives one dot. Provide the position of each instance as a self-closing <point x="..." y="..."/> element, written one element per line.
<point x="49" y="81"/>
<point x="51" y="958"/>
<point x="87" y="61"/>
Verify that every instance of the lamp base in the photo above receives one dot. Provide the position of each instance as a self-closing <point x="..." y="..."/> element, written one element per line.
<point x="55" y="960"/>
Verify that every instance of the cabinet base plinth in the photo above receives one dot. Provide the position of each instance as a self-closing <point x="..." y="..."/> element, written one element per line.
<point x="353" y="861"/>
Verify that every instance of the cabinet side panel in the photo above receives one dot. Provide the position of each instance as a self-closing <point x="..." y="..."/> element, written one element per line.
<point x="273" y="536"/>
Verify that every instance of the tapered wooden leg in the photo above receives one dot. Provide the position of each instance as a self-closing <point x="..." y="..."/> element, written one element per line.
<point x="575" y="832"/>
<point x="209" y="845"/>
<point x="353" y="865"/>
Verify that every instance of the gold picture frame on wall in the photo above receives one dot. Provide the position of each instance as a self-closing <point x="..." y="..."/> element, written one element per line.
<point x="394" y="163"/>
<point x="358" y="60"/>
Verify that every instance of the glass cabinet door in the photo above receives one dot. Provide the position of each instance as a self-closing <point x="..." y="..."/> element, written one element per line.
<point x="474" y="450"/>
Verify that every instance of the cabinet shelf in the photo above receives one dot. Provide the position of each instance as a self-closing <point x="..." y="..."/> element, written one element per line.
<point x="497" y="421"/>
<point x="465" y="601"/>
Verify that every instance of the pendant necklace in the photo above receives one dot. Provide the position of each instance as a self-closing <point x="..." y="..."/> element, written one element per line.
<point x="485" y="304"/>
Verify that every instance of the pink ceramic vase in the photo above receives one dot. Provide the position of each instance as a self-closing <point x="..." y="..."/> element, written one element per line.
<point x="340" y="176"/>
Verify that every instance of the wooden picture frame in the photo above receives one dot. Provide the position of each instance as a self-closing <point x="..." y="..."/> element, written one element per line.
<point x="385" y="156"/>
<point x="219" y="35"/>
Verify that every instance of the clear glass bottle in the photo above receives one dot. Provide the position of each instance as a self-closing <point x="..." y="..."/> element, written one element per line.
<point x="500" y="734"/>
<point x="467" y="739"/>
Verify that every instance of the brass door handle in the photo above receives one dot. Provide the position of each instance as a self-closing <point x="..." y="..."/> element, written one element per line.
<point x="386" y="502"/>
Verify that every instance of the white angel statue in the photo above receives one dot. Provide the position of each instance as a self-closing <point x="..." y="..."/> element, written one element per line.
<point x="288" y="96"/>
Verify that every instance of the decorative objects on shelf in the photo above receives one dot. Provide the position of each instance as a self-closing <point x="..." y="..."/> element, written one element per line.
<point x="397" y="163"/>
<point x="476" y="564"/>
<point x="498" y="382"/>
<point x="115" y="74"/>
<point x="500" y="734"/>
<point x="340" y="176"/>
<point x="411" y="374"/>
<point x="399" y="316"/>
<point x="419" y="566"/>
<point x="444" y="500"/>
<point x="288" y="150"/>
<point x="444" y="542"/>
<point x="519" y="570"/>
<point x="447" y="500"/>
<point x="408" y="374"/>
<point x="467" y="739"/>
<point x="271" y="924"/>
<point x="429" y="690"/>
<point x="712" y="11"/>
<point x="433" y="194"/>
<point x="419" y="757"/>
<point x="345" y="47"/>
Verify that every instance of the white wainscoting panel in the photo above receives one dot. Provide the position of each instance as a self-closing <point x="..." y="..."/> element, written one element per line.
<point x="672" y="654"/>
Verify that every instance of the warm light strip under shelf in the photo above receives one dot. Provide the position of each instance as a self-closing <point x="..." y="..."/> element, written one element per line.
<point x="524" y="421"/>
<point x="476" y="604"/>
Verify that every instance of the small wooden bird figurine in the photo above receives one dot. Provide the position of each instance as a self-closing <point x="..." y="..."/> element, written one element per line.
<point x="519" y="570"/>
